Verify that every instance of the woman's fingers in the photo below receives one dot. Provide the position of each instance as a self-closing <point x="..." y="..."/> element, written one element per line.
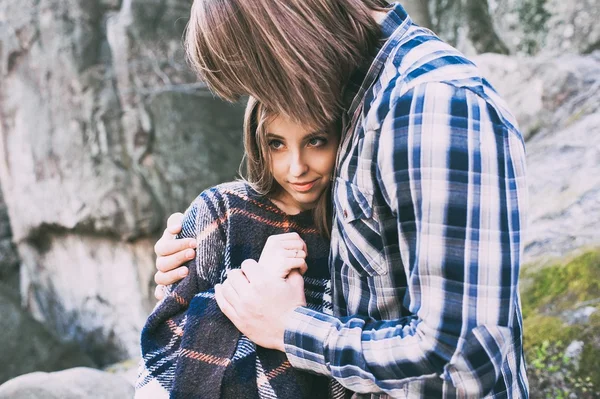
<point x="293" y="253"/>
<point x="283" y="253"/>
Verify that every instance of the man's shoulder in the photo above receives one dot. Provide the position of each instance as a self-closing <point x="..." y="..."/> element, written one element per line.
<point x="419" y="60"/>
<point x="420" y="57"/>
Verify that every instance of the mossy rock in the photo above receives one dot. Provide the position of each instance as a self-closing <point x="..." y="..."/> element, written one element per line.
<point x="562" y="286"/>
<point x="550" y="293"/>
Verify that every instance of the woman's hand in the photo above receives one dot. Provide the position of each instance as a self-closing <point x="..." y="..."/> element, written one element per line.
<point x="171" y="254"/>
<point x="283" y="253"/>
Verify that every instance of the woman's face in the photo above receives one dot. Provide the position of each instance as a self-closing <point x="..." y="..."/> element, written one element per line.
<point x="302" y="162"/>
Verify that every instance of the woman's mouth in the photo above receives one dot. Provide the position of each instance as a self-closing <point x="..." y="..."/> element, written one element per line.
<point x="303" y="187"/>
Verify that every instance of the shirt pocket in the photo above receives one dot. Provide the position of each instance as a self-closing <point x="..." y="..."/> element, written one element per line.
<point x="360" y="245"/>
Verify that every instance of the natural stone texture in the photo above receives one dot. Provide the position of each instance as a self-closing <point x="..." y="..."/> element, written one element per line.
<point x="551" y="26"/>
<point x="76" y="383"/>
<point x="557" y="102"/>
<point x="27" y="345"/>
<point x="9" y="258"/>
<point x="519" y="26"/>
<point x="580" y="315"/>
<point x="103" y="133"/>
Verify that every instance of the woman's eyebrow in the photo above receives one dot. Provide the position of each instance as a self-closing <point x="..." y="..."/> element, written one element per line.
<point x="317" y="133"/>
<point x="274" y="136"/>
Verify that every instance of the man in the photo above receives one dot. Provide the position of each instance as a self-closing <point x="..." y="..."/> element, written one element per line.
<point x="429" y="199"/>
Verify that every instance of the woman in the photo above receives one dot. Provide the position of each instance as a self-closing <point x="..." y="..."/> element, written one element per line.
<point x="278" y="215"/>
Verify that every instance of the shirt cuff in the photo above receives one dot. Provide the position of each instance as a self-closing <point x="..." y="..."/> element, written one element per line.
<point x="306" y="340"/>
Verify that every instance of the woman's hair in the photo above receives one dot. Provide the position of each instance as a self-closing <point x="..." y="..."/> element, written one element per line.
<point x="294" y="56"/>
<point x="257" y="163"/>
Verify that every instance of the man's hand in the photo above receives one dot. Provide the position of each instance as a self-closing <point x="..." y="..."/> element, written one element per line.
<point x="171" y="253"/>
<point x="283" y="253"/>
<point x="259" y="303"/>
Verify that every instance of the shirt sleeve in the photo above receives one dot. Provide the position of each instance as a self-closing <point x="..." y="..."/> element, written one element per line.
<point x="453" y="174"/>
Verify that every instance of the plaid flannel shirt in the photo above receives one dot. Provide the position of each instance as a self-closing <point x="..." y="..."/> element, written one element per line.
<point x="430" y="204"/>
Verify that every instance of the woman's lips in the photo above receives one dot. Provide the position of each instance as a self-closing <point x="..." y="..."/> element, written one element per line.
<point x="303" y="187"/>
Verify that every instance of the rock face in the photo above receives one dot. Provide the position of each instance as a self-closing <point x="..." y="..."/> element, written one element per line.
<point x="552" y="26"/>
<point x="9" y="258"/>
<point x="103" y="134"/>
<point x="28" y="346"/>
<point x="522" y="26"/>
<point x="77" y="383"/>
<point x="557" y="101"/>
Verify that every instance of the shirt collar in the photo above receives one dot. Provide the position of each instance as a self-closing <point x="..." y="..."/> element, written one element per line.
<point x="393" y="26"/>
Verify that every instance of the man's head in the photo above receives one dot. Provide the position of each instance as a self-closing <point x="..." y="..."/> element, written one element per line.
<point x="294" y="56"/>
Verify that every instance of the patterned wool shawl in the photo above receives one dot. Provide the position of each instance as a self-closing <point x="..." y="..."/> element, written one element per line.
<point x="189" y="348"/>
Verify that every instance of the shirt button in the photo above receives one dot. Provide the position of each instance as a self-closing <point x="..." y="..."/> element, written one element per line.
<point x="345" y="214"/>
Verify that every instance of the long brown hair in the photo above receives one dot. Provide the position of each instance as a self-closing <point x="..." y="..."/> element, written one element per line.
<point x="294" y="56"/>
<point x="257" y="162"/>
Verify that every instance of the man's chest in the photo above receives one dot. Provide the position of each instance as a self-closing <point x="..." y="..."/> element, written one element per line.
<point x="368" y="273"/>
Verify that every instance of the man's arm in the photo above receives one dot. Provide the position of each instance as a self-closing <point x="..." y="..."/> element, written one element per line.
<point x="454" y="177"/>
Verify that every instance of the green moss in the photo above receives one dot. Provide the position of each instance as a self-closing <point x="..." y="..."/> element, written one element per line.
<point x="560" y="286"/>
<point x="549" y="292"/>
<point x="540" y="328"/>
<point x="590" y="359"/>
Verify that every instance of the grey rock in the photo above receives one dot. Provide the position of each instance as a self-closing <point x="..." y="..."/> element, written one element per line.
<point x="549" y="26"/>
<point x="574" y="351"/>
<point x="579" y="316"/>
<point x="522" y="26"/>
<point x="9" y="257"/>
<point x="76" y="383"/>
<point x="27" y="345"/>
<point x="557" y="103"/>
<point x="104" y="132"/>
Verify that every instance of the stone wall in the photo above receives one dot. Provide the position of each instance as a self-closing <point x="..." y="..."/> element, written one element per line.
<point x="103" y="134"/>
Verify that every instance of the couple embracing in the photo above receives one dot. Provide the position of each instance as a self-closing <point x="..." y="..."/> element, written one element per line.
<point x="373" y="247"/>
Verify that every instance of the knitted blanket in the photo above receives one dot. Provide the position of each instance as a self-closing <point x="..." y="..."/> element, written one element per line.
<point x="189" y="348"/>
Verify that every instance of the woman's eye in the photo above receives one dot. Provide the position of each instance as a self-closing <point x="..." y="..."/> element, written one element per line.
<point x="317" y="141"/>
<point x="275" y="144"/>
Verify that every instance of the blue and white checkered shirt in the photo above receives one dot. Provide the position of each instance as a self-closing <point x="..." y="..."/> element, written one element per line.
<point x="430" y="204"/>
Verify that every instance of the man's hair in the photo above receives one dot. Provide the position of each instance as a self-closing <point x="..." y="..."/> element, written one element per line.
<point x="294" y="56"/>
<point x="257" y="162"/>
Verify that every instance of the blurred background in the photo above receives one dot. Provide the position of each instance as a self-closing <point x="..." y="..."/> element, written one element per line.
<point x="104" y="132"/>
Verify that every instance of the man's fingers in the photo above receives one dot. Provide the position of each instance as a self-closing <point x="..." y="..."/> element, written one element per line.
<point x="174" y="223"/>
<point x="159" y="292"/>
<point x="170" y="262"/>
<point x="230" y="294"/>
<point x="293" y="264"/>
<point x="238" y="280"/>
<point x="227" y="309"/>
<point x="170" y="246"/>
<point x="170" y="277"/>
<point x="251" y="269"/>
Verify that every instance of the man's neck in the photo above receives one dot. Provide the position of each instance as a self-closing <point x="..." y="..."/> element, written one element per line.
<point x="378" y="16"/>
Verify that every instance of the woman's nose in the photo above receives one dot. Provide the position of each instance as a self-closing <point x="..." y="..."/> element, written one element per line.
<point x="297" y="165"/>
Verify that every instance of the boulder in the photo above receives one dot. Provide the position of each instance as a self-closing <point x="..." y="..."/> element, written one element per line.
<point x="75" y="383"/>
<point x="557" y="103"/>
<point x="28" y="346"/>
<point x="520" y="27"/>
